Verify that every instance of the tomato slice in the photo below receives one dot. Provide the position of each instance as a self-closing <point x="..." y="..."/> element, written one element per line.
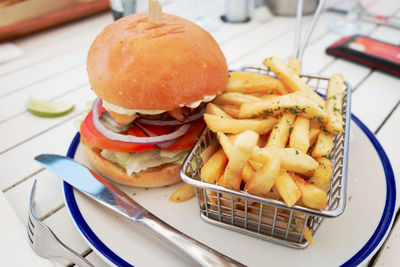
<point x="94" y="137"/>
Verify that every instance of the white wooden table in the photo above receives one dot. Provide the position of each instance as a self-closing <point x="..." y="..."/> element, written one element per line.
<point x="53" y="67"/>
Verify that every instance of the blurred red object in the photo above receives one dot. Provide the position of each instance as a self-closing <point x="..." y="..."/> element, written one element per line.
<point x="22" y="17"/>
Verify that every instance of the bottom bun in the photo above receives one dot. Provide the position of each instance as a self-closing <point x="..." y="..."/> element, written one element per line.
<point x="163" y="175"/>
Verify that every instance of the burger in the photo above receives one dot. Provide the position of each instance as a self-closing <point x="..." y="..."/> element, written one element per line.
<point x="153" y="82"/>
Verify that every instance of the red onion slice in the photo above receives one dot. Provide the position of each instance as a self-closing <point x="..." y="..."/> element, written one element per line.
<point x="134" y="139"/>
<point x="150" y="133"/>
<point x="172" y="122"/>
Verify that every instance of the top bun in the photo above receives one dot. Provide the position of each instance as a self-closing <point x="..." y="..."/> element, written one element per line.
<point x="139" y="65"/>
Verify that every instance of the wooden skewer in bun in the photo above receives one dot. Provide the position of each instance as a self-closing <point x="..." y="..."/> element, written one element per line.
<point x="155" y="11"/>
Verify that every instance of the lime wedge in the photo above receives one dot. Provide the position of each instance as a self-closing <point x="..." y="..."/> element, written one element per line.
<point x="48" y="109"/>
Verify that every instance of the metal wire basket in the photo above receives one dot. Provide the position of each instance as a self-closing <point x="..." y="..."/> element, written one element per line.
<point x="264" y="218"/>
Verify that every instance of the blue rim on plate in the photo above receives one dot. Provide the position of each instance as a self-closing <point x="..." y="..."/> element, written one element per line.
<point x="390" y="203"/>
<point x="80" y="221"/>
<point x="374" y="241"/>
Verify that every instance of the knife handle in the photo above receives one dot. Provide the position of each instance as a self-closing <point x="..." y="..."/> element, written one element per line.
<point x="189" y="247"/>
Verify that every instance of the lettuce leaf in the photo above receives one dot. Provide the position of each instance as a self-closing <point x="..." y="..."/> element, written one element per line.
<point x="140" y="161"/>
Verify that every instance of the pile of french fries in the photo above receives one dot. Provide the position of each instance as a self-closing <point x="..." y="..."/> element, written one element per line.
<point x="275" y="135"/>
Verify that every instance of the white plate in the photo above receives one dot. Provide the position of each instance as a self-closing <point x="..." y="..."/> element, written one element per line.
<point x="350" y="239"/>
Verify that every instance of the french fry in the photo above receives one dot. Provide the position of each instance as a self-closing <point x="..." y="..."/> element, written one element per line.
<point x="315" y="129"/>
<point x="308" y="236"/>
<point x="232" y="137"/>
<point x="226" y="144"/>
<point x="263" y="179"/>
<point x="271" y="194"/>
<point x="183" y="193"/>
<point x="242" y="149"/>
<point x="268" y="210"/>
<point x="311" y="196"/>
<point x="314" y="124"/>
<point x="291" y="80"/>
<point x="294" y="64"/>
<point x="247" y="82"/>
<point x="291" y="159"/>
<point x="231" y="110"/>
<point x="323" y="146"/>
<point x="247" y="172"/>
<point x="259" y="95"/>
<point x="274" y="194"/>
<point x="268" y="96"/>
<point x="257" y="165"/>
<point x="323" y="174"/>
<point x="281" y="131"/>
<point x="266" y="219"/>
<point x="263" y="140"/>
<point x="211" y="195"/>
<point x="217" y="124"/>
<point x="300" y="135"/>
<point x="293" y="103"/>
<point x="307" y="233"/>
<point x="214" y="167"/>
<point x="334" y="104"/>
<point x="287" y="188"/>
<point x="215" y="110"/>
<point x="234" y="98"/>
<point x="209" y="151"/>
<point x="226" y="200"/>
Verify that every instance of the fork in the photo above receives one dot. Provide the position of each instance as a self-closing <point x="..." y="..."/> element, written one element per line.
<point x="45" y="243"/>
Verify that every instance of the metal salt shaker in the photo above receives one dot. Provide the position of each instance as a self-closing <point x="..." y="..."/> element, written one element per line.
<point x="236" y="11"/>
<point x="122" y="8"/>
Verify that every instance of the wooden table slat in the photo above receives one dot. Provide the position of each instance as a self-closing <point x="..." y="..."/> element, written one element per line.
<point x="49" y="89"/>
<point x="33" y="126"/>
<point x="63" y="227"/>
<point x="49" y="195"/>
<point x="44" y="70"/>
<point x="375" y="98"/>
<point x="18" y="164"/>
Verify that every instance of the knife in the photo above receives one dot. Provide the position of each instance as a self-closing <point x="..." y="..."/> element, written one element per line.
<point x="104" y="192"/>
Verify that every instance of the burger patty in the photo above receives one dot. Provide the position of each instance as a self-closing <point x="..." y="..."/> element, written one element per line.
<point x="186" y="112"/>
<point x="111" y="124"/>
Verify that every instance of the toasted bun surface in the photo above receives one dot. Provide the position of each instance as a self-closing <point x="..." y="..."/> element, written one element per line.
<point x="138" y="65"/>
<point x="163" y="175"/>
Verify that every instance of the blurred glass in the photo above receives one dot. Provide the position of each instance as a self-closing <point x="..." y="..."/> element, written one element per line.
<point x="236" y="11"/>
<point x="350" y="25"/>
<point x="122" y="8"/>
<point x="289" y="7"/>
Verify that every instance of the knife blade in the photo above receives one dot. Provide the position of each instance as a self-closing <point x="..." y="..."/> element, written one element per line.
<point x="106" y="193"/>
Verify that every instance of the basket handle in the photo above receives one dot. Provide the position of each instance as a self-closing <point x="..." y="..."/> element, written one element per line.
<point x="299" y="49"/>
